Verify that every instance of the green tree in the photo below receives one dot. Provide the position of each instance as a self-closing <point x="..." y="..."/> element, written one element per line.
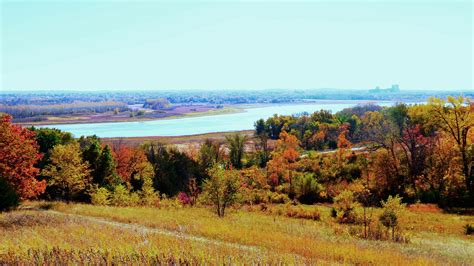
<point x="261" y="128"/>
<point x="8" y="197"/>
<point x="67" y="171"/>
<point x="221" y="189"/>
<point x="172" y="169"/>
<point x="210" y="153"/>
<point x="47" y="138"/>
<point x="105" y="174"/>
<point x="306" y="188"/>
<point x="236" y="144"/>
<point x="91" y="150"/>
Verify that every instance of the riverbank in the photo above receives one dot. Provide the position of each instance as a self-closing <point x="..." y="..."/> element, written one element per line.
<point x="129" y="116"/>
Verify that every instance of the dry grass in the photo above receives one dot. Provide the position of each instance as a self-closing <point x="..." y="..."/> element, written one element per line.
<point x="189" y="139"/>
<point x="436" y="238"/>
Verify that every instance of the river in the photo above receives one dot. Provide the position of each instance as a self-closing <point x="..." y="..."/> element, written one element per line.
<point x="202" y="124"/>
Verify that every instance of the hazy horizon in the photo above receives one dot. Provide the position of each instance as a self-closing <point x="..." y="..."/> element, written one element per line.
<point x="153" y="46"/>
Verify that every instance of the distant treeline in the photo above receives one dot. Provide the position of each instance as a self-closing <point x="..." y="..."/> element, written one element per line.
<point x="217" y="96"/>
<point x="22" y="111"/>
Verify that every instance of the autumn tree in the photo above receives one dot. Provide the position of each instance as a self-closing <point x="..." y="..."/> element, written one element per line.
<point x="343" y="144"/>
<point x="132" y="166"/>
<point x="18" y="155"/>
<point x="455" y="116"/>
<point x="415" y="148"/>
<point x="375" y="128"/>
<point x="282" y="165"/>
<point x="444" y="172"/>
<point x="67" y="171"/>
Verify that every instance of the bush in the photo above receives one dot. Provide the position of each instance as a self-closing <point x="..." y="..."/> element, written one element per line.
<point x="301" y="213"/>
<point x="307" y="189"/>
<point x="278" y="198"/>
<point x="183" y="198"/>
<point x="8" y="197"/>
<point x="469" y="229"/>
<point x="149" y="197"/>
<point x="101" y="196"/>
<point x="345" y="206"/>
<point x="393" y="208"/>
<point x="134" y="199"/>
<point x="120" y="196"/>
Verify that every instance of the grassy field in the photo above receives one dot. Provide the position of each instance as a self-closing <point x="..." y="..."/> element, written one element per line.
<point x="189" y="139"/>
<point x="92" y="234"/>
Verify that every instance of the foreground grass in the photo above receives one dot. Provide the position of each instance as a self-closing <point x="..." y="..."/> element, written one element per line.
<point x="42" y="237"/>
<point x="436" y="238"/>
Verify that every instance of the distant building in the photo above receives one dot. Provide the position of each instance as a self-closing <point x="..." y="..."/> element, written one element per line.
<point x="394" y="89"/>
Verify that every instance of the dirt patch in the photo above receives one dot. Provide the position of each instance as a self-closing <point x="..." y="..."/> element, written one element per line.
<point x="419" y="207"/>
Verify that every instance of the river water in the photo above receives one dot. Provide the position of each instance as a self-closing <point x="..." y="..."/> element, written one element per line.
<point x="199" y="125"/>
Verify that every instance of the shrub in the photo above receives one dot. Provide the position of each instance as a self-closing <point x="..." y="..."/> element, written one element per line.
<point x="469" y="229"/>
<point x="345" y="206"/>
<point x="134" y="199"/>
<point x="392" y="210"/>
<point x="183" y="198"/>
<point x="8" y="197"/>
<point x="101" y="196"/>
<point x="307" y="189"/>
<point x="278" y="198"/>
<point x="301" y="213"/>
<point x="149" y="197"/>
<point x="120" y="196"/>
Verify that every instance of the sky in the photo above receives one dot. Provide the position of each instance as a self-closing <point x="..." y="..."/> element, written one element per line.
<point x="151" y="45"/>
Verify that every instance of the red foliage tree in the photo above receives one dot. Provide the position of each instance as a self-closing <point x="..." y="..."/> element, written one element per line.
<point x="130" y="161"/>
<point x="18" y="155"/>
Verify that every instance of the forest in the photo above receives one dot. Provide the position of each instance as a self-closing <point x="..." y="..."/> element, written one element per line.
<point x="356" y="161"/>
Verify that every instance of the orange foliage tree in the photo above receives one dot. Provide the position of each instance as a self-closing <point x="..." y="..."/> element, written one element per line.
<point x="131" y="163"/>
<point x="282" y="164"/>
<point x="18" y="155"/>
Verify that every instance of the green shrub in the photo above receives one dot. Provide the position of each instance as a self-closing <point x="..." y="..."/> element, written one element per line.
<point x="307" y="189"/>
<point x="8" y="197"/>
<point x="101" y="196"/>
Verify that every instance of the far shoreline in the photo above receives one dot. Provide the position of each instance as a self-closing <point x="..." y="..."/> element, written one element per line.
<point x="228" y="109"/>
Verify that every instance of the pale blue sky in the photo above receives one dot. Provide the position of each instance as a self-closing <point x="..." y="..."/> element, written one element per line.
<point x="97" y="45"/>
